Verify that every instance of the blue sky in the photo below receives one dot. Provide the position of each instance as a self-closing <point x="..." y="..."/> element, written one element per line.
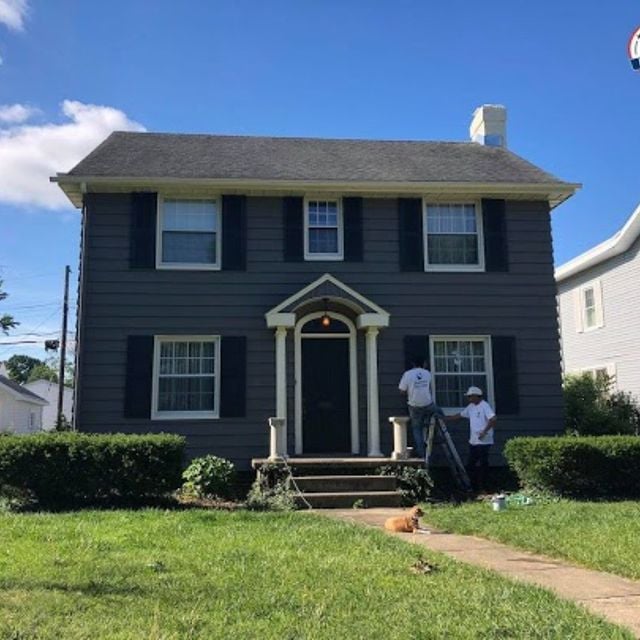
<point x="343" y="68"/>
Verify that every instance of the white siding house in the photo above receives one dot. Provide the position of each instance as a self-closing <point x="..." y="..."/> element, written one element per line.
<point x="599" y="307"/>
<point x="49" y="391"/>
<point x="20" y="409"/>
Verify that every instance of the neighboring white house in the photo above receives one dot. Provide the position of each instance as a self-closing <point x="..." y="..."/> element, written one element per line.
<point x="599" y="306"/>
<point x="49" y="391"/>
<point x="20" y="409"/>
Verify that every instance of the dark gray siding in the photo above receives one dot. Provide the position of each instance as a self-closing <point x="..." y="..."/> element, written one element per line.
<point x="118" y="302"/>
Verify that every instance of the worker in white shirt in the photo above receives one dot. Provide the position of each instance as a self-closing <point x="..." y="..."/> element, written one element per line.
<point x="416" y="385"/>
<point x="482" y="420"/>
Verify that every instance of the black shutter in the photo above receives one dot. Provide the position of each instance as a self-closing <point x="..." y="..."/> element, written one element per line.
<point x="142" y="252"/>
<point x="411" y="236"/>
<point x="137" y="396"/>
<point x="353" y="238"/>
<point x="416" y="348"/>
<point x="233" y="377"/>
<point x="505" y="374"/>
<point x="234" y="233"/>
<point x="292" y="208"/>
<point x="496" y="256"/>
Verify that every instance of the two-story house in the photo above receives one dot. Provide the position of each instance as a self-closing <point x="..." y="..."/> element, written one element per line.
<point x="599" y="304"/>
<point x="227" y="279"/>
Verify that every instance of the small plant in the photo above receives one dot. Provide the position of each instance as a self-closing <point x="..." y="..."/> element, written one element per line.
<point x="415" y="483"/>
<point x="209" y="476"/>
<point x="271" y="490"/>
<point x="358" y="504"/>
<point x="15" y="500"/>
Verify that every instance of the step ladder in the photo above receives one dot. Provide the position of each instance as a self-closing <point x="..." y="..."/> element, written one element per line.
<point x="438" y="434"/>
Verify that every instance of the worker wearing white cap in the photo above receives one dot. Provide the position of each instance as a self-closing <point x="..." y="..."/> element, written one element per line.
<point x="482" y="420"/>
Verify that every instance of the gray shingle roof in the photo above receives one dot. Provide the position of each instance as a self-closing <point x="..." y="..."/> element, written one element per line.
<point x="161" y="155"/>
<point x="14" y="386"/>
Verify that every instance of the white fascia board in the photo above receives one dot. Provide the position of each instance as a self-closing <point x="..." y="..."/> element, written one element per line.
<point x="553" y="192"/>
<point x="617" y="244"/>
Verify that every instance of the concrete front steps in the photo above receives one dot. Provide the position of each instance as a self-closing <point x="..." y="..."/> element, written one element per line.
<point x="345" y="491"/>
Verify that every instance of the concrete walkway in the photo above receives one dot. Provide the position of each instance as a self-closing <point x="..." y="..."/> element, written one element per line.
<point x="612" y="597"/>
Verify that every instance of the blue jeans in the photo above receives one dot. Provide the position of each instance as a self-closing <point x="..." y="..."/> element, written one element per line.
<point x="420" y="417"/>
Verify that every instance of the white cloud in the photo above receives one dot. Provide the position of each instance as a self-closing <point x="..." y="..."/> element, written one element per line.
<point x="29" y="154"/>
<point x="13" y="13"/>
<point x="16" y="113"/>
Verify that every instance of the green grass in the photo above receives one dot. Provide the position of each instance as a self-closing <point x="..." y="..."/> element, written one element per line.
<point x="600" y="535"/>
<point x="204" y="574"/>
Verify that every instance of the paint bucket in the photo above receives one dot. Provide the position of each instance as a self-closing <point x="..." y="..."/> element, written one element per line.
<point x="499" y="502"/>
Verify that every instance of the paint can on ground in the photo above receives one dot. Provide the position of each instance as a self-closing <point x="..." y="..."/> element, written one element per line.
<point x="499" y="502"/>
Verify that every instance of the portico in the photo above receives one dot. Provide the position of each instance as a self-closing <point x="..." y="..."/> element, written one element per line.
<point x="325" y="319"/>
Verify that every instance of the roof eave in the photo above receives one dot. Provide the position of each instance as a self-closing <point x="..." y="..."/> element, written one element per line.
<point x="614" y="246"/>
<point x="555" y="192"/>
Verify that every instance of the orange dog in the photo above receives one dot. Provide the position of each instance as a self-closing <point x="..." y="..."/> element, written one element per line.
<point x="405" y="524"/>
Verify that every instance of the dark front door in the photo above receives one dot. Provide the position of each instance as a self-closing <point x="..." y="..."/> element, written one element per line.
<point x="326" y="415"/>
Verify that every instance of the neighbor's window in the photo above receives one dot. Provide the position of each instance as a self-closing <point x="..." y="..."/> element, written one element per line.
<point x="591" y="306"/>
<point x="323" y="229"/>
<point x="458" y="364"/>
<point x="590" y="312"/>
<point x="190" y="234"/>
<point x="186" y="377"/>
<point x="453" y="237"/>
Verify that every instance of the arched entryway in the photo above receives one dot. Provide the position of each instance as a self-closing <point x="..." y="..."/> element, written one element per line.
<point x="326" y="390"/>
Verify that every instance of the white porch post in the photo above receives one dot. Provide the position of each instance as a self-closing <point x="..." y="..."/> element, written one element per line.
<point x="373" y="410"/>
<point x="281" y="372"/>
<point x="399" y="437"/>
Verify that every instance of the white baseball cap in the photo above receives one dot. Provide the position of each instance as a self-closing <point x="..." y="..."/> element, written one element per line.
<point x="473" y="391"/>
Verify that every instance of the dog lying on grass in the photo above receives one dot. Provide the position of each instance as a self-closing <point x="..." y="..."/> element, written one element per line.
<point x="409" y="523"/>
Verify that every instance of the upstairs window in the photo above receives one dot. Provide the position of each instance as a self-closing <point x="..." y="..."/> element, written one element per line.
<point x="590" y="314"/>
<point x="453" y="237"/>
<point x="589" y="300"/>
<point x="189" y="234"/>
<point x="323" y="230"/>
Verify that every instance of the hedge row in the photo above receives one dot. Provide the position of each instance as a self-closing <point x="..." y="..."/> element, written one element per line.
<point x="578" y="467"/>
<point x="73" y="469"/>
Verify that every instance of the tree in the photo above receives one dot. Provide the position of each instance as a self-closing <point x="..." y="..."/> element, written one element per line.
<point x="21" y="366"/>
<point x="6" y="321"/>
<point x="594" y="409"/>
<point x="48" y="370"/>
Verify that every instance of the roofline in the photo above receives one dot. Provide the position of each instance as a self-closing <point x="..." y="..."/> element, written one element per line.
<point x="24" y="396"/>
<point x="614" y="246"/>
<point x="555" y="192"/>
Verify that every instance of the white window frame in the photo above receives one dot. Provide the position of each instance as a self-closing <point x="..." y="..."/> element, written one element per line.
<point x="188" y="266"/>
<point x="184" y="415"/>
<point x="477" y="204"/>
<point x="592" y="370"/>
<point x="596" y="287"/>
<point x="339" y="255"/>
<point x="488" y="357"/>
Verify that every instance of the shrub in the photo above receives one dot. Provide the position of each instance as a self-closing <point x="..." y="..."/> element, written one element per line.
<point x="271" y="490"/>
<point x="580" y="467"/>
<point x="74" y="469"/>
<point x="414" y="483"/>
<point x="209" y="476"/>
<point x="593" y="409"/>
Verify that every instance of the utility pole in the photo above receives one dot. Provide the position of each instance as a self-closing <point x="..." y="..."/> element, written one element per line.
<point x="63" y="345"/>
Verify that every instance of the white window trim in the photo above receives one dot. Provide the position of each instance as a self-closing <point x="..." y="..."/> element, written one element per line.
<point x="488" y="355"/>
<point x="592" y="369"/>
<point x="323" y="256"/>
<point x="480" y="234"/>
<point x="596" y="285"/>
<point x="184" y="415"/>
<point x="188" y="266"/>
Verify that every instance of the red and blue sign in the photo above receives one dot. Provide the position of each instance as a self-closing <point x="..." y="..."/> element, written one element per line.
<point x="634" y="49"/>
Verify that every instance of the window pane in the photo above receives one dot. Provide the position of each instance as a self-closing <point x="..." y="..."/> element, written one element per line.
<point x="189" y="247"/>
<point x="451" y="218"/>
<point x="323" y="241"/>
<point x="589" y="298"/>
<point x="452" y="249"/>
<point x="189" y="215"/>
<point x="590" y="317"/>
<point x="186" y="394"/>
<point x="458" y="364"/>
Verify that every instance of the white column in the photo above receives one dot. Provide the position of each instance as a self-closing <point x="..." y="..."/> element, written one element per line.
<point x="373" y="411"/>
<point x="281" y="372"/>
<point x="277" y="439"/>
<point x="399" y="437"/>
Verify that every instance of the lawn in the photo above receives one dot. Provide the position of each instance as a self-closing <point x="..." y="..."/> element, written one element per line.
<point x="204" y="574"/>
<point x="600" y="535"/>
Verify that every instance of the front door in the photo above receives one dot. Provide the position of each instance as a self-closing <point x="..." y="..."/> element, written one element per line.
<point x="326" y="415"/>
